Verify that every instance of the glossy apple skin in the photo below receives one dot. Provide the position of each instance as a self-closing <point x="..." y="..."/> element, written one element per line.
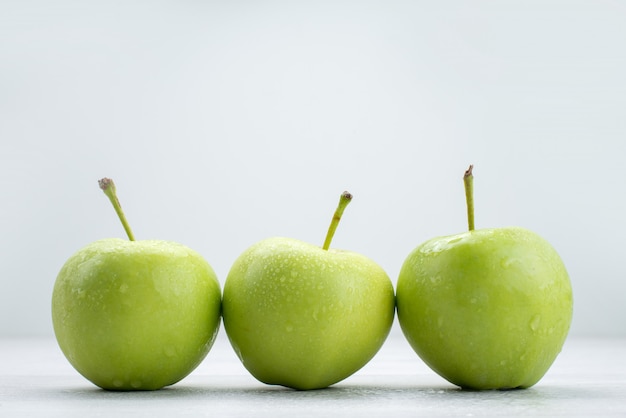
<point x="135" y="315"/>
<point x="486" y="309"/>
<point x="303" y="317"/>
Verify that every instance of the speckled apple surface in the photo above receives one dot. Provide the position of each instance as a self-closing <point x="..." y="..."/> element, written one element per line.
<point x="304" y="317"/>
<point x="135" y="315"/>
<point x="486" y="309"/>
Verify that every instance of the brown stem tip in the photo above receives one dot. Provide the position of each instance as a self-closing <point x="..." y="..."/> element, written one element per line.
<point x="468" y="172"/>
<point x="105" y="183"/>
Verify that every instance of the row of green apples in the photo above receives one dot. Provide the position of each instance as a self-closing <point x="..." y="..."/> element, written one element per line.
<point x="486" y="308"/>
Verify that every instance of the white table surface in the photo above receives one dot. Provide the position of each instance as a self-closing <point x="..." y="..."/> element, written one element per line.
<point x="588" y="379"/>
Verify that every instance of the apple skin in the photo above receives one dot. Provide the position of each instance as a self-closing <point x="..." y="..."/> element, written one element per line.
<point x="486" y="309"/>
<point x="303" y="317"/>
<point x="135" y="315"/>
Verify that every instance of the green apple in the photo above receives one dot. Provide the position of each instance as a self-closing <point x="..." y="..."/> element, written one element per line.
<point x="485" y="309"/>
<point x="304" y="316"/>
<point x="135" y="315"/>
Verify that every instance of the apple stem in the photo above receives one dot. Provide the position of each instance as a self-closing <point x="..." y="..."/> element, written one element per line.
<point x="468" y="180"/>
<point x="343" y="202"/>
<point x="108" y="187"/>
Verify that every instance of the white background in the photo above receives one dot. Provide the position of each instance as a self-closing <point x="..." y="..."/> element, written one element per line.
<point x="226" y="122"/>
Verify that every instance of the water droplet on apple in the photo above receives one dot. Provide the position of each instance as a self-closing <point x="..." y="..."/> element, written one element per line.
<point x="118" y="383"/>
<point x="78" y="292"/>
<point x="170" y="351"/>
<point x="136" y="384"/>
<point x="289" y="327"/>
<point x="535" y="322"/>
<point x="123" y="288"/>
